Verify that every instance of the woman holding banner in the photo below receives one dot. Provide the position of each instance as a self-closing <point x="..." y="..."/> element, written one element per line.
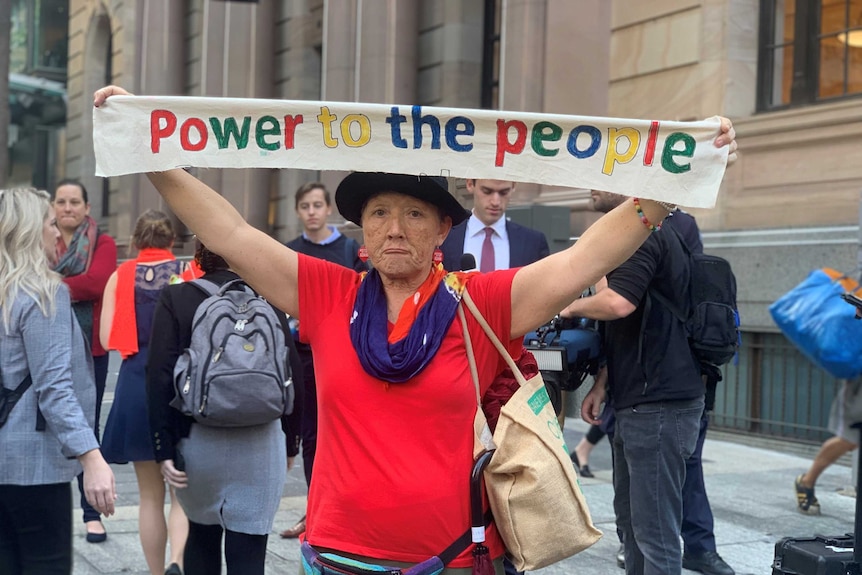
<point x="400" y="502"/>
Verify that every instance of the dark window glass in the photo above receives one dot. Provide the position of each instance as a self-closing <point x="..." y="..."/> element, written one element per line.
<point x="810" y="51"/>
<point x="491" y="54"/>
<point x="50" y="27"/>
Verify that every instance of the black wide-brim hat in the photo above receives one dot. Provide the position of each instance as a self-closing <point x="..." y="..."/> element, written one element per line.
<point x="355" y="190"/>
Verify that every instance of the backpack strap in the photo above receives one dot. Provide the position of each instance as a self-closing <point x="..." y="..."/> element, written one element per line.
<point x="210" y="288"/>
<point x="668" y="304"/>
<point x="672" y="306"/>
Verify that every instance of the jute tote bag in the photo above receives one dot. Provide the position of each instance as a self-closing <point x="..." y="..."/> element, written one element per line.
<point x="532" y="486"/>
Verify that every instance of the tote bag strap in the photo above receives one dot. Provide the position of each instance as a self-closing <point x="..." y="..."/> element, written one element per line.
<point x="471" y="357"/>
<point x="471" y="305"/>
<point x="483" y="437"/>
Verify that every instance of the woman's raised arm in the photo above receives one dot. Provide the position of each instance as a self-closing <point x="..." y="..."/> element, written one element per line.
<point x="540" y="290"/>
<point x="267" y="265"/>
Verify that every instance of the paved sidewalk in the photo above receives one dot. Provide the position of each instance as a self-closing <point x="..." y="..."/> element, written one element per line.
<point x="750" y="488"/>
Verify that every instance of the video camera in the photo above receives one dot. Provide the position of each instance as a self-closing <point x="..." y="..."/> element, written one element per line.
<point x="567" y="350"/>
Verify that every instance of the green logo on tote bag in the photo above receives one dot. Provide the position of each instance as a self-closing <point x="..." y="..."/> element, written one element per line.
<point x="539" y="400"/>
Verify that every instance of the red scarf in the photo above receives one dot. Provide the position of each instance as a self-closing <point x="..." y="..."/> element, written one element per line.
<point x="124" y="329"/>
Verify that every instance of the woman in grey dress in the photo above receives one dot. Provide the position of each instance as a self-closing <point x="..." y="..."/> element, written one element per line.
<point x="47" y="435"/>
<point x="228" y="480"/>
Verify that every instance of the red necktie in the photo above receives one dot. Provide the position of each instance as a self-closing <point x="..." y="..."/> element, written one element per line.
<point x="488" y="252"/>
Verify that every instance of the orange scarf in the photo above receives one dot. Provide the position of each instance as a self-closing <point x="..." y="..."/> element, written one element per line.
<point x="192" y="272"/>
<point x="410" y="309"/>
<point x="124" y="329"/>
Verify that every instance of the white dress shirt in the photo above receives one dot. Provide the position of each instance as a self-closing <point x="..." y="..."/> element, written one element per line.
<point x="475" y="235"/>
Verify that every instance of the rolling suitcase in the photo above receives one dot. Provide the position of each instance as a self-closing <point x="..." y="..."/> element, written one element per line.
<point x="819" y="555"/>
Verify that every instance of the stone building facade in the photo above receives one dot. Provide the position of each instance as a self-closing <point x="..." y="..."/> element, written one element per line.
<point x="790" y="202"/>
<point x="788" y="73"/>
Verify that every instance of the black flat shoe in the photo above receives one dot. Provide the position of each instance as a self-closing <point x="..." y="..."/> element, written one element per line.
<point x="174" y="569"/>
<point x="96" y="537"/>
<point x="585" y="471"/>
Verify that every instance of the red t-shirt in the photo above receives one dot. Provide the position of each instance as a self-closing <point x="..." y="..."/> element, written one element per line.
<point x="393" y="462"/>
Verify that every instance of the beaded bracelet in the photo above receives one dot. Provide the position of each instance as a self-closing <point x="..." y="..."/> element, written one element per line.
<point x="650" y="226"/>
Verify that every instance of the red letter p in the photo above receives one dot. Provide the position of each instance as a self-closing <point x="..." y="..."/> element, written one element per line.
<point x="159" y="132"/>
<point x="504" y="145"/>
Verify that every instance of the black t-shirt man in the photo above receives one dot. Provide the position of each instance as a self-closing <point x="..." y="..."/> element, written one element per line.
<point x="648" y="354"/>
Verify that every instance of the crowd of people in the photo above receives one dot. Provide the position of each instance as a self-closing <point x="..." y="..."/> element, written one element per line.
<point x="377" y="356"/>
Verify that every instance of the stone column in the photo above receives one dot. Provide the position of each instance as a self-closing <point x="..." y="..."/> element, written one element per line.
<point x="231" y="55"/>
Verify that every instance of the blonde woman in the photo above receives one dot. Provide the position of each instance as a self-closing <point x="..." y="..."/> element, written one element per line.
<point x="126" y="324"/>
<point x="48" y="432"/>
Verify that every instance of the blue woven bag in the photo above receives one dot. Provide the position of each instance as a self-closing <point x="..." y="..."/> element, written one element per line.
<point x="821" y="324"/>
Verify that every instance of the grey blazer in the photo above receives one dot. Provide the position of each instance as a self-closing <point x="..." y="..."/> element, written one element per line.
<point x="53" y="349"/>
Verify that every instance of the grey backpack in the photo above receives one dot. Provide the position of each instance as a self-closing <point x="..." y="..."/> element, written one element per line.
<point x="235" y="372"/>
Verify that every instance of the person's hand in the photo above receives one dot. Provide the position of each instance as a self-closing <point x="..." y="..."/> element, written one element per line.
<point x="99" y="486"/>
<point x="727" y="137"/>
<point x="290" y="462"/>
<point x="175" y="478"/>
<point x="103" y="94"/>
<point x="591" y="407"/>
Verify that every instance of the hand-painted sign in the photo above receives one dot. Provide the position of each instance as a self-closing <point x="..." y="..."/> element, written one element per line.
<point x="669" y="161"/>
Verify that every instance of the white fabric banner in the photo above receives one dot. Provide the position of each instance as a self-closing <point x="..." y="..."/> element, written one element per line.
<point x="669" y="161"/>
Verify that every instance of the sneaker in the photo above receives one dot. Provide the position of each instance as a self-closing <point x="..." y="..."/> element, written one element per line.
<point x="805" y="500"/>
<point x="621" y="556"/>
<point x="708" y="563"/>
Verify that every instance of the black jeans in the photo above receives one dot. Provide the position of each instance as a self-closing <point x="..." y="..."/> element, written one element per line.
<point x="100" y="366"/>
<point x="245" y="554"/>
<point x="651" y="444"/>
<point x="36" y="529"/>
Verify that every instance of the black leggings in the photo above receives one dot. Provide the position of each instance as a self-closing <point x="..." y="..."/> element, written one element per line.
<point x="595" y="434"/>
<point x="36" y="529"/>
<point x="244" y="554"/>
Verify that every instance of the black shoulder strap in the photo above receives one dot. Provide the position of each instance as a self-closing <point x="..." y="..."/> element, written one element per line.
<point x="349" y="253"/>
<point x="673" y="307"/>
<point x="464" y="541"/>
<point x="22" y="387"/>
<point x="11" y="397"/>
<point x="651" y="293"/>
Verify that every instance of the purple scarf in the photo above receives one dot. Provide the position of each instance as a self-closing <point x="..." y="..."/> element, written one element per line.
<point x="369" y="330"/>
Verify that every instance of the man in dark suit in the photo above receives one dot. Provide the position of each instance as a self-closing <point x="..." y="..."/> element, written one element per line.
<point x="513" y="244"/>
